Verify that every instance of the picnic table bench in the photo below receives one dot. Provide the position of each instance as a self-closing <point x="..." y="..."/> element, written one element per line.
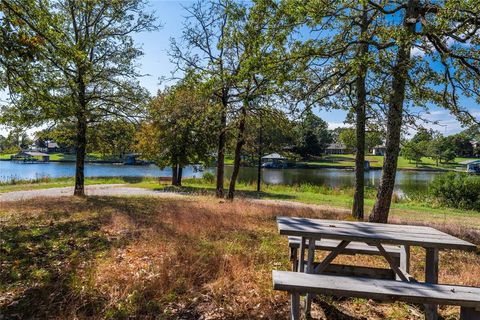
<point x="467" y="298"/>
<point x="393" y="242"/>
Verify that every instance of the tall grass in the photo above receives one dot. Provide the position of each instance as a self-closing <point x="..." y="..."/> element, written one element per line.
<point x="189" y="258"/>
<point x="15" y="180"/>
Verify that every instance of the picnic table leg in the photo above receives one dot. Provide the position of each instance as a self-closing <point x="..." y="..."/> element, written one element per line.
<point x="301" y="264"/>
<point x="294" y="259"/>
<point x="404" y="260"/>
<point x="431" y="276"/>
<point x="310" y="269"/>
<point x="295" y="306"/>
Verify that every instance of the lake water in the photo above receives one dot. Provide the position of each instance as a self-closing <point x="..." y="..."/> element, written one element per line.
<point x="406" y="180"/>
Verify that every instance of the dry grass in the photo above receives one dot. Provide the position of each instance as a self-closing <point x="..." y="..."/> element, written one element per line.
<point x="193" y="258"/>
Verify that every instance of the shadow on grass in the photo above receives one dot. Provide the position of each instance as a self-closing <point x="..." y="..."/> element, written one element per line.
<point x="332" y="312"/>
<point x="133" y="179"/>
<point x="42" y="259"/>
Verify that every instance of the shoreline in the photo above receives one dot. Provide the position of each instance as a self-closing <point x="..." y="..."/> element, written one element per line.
<point x="307" y="166"/>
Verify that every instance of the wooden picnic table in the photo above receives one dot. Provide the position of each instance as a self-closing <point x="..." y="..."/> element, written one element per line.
<point x="373" y="234"/>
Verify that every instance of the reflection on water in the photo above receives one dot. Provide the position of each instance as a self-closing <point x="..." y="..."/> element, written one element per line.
<point x="406" y="181"/>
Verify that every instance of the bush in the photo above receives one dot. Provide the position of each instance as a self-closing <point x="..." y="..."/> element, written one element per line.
<point x="208" y="176"/>
<point x="457" y="190"/>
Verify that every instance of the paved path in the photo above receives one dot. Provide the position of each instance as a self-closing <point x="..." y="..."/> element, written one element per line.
<point x="93" y="190"/>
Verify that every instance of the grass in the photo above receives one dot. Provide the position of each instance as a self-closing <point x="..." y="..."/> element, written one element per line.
<point x="330" y="197"/>
<point x="417" y="210"/>
<point x="47" y="183"/>
<point x="70" y="157"/>
<point x="348" y="160"/>
<point x="182" y="258"/>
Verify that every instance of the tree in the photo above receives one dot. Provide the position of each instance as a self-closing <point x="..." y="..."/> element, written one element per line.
<point x="16" y="140"/>
<point x="178" y="129"/>
<point x="428" y="27"/>
<point x="258" y="39"/>
<point x="268" y="130"/>
<point x="204" y="48"/>
<point x="113" y="138"/>
<point x="84" y="68"/>
<point x="231" y="46"/>
<point x="312" y="135"/>
<point x="348" y="138"/>
<point x="461" y="144"/>
<point x="414" y="151"/>
<point x="64" y="134"/>
<point x="338" y="74"/>
<point x="276" y="130"/>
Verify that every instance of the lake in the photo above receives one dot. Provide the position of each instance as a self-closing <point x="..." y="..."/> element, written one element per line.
<point x="406" y="180"/>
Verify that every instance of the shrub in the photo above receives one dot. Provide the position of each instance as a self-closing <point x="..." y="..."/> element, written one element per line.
<point x="208" y="176"/>
<point x="457" y="190"/>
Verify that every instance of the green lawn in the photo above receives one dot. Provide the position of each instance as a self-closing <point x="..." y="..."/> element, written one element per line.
<point x="70" y="157"/>
<point x="48" y="183"/>
<point x="348" y="160"/>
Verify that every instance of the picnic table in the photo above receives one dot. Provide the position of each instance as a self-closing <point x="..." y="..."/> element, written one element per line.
<point x="375" y="235"/>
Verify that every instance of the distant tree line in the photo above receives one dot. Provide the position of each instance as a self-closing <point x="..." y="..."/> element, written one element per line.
<point x="442" y="149"/>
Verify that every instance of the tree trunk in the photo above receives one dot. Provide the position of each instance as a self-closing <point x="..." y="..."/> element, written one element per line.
<point x="174" y="174"/>
<point x="360" y="112"/>
<point x="179" y="176"/>
<point x="238" y="152"/>
<point x="260" y="151"/>
<point x="222" y="138"/>
<point x="358" y="198"/>
<point x="81" y="151"/>
<point x="81" y="143"/>
<point x="394" y="119"/>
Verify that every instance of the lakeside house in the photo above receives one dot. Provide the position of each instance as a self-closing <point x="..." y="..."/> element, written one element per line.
<point x="53" y="147"/>
<point x="472" y="166"/>
<point x="379" y="150"/>
<point x="273" y="157"/>
<point x="274" y="161"/>
<point x="337" y="148"/>
<point x="30" y="157"/>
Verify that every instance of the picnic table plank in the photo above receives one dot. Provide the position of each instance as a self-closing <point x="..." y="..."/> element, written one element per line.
<point x="385" y="290"/>
<point x="371" y="232"/>
<point x="352" y="248"/>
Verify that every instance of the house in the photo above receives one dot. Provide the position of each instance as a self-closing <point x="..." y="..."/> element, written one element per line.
<point x="30" y="157"/>
<point x="274" y="161"/>
<point x="379" y="150"/>
<point x="132" y="159"/>
<point x="473" y="167"/>
<point x="337" y="148"/>
<point x="52" y="146"/>
<point x="274" y="157"/>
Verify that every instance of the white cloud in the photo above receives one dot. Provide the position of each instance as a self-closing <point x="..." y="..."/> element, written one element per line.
<point x="334" y="125"/>
<point x="417" y="52"/>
